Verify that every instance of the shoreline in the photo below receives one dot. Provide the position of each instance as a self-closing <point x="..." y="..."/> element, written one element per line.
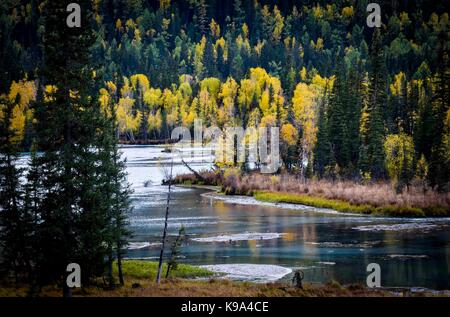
<point x="211" y="188"/>
<point x="252" y="201"/>
<point x="263" y="198"/>
<point x="148" y="142"/>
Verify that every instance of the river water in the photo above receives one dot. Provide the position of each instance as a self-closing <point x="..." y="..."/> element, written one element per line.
<point x="266" y="242"/>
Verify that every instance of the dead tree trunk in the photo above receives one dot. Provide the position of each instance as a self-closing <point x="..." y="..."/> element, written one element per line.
<point x="161" y="255"/>
<point x="119" y="268"/>
<point x="200" y="177"/>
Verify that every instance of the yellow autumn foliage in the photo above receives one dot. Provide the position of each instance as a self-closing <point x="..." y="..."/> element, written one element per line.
<point x="21" y="94"/>
<point x="228" y="93"/>
<point x="347" y="12"/>
<point x="140" y="81"/>
<point x="289" y="134"/>
<point x="304" y="108"/>
<point x="125" y="118"/>
<point x="399" y="150"/>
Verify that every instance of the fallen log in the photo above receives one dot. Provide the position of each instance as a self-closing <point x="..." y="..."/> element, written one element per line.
<point x="200" y="177"/>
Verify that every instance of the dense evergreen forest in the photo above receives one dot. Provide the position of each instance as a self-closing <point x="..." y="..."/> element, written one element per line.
<point x="344" y="95"/>
<point x="351" y="102"/>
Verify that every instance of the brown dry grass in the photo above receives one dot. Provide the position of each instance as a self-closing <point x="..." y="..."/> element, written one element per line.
<point x="381" y="196"/>
<point x="208" y="288"/>
<point x="378" y="194"/>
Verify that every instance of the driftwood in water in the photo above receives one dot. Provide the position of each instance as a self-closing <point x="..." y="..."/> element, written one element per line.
<point x="200" y="177"/>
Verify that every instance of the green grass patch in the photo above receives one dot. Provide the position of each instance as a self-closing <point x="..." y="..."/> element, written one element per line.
<point x="344" y="206"/>
<point x="139" y="269"/>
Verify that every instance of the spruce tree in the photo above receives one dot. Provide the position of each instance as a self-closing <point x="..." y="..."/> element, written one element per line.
<point x="115" y="193"/>
<point x="209" y="63"/>
<point x="322" y="151"/>
<point x="16" y="234"/>
<point x="425" y="121"/>
<point x="66" y="124"/>
<point x="377" y="104"/>
<point x="439" y="174"/>
<point x="238" y="13"/>
<point x="221" y="65"/>
<point x="201" y="17"/>
<point x="354" y="108"/>
<point x="363" y="154"/>
<point x="338" y="116"/>
<point x="33" y="200"/>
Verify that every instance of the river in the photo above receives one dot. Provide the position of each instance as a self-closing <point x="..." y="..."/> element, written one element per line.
<point x="266" y="242"/>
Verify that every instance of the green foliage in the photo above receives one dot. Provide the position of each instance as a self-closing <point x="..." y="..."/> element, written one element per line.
<point x="439" y="174"/>
<point x="376" y="107"/>
<point x="70" y="210"/>
<point x="115" y="192"/>
<point x="138" y="269"/>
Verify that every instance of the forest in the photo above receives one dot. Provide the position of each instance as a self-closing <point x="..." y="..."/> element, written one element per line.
<point x="345" y="96"/>
<point x="352" y="102"/>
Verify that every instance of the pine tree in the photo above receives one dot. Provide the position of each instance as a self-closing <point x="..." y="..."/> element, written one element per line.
<point x="439" y="173"/>
<point x="322" y="151"/>
<point x="209" y="63"/>
<point x="201" y="17"/>
<point x="363" y="154"/>
<point x="17" y="231"/>
<point x="115" y="193"/>
<point x="424" y="124"/>
<point x="33" y="200"/>
<point x="221" y="65"/>
<point x="344" y="116"/>
<point x="377" y="104"/>
<point x="354" y="109"/>
<point x="237" y="65"/>
<point x="337" y="117"/>
<point x="66" y="124"/>
<point x="238" y="13"/>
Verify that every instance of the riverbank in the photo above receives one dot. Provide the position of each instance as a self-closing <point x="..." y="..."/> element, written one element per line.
<point x="378" y="199"/>
<point x="147" y="142"/>
<point x="344" y="206"/>
<point x="192" y="281"/>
